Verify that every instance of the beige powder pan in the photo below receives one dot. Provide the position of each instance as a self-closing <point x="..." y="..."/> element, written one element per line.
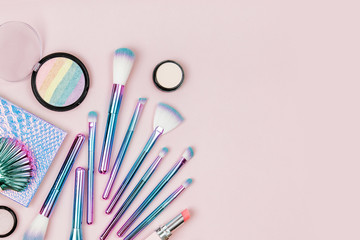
<point x="168" y="75"/>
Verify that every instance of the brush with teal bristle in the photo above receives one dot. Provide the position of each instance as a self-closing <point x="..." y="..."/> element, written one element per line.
<point x="15" y="165"/>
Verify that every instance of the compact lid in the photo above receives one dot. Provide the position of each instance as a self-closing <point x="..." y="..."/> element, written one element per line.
<point x="20" y="50"/>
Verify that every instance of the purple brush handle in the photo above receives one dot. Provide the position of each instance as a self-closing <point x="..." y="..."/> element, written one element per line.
<point x="115" y="102"/>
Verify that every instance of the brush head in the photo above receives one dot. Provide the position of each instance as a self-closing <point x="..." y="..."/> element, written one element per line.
<point x="163" y="152"/>
<point x="166" y="117"/>
<point x="188" y="154"/>
<point x="37" y="229"/>
<point x="185" y="214"/>
<point x="142" y="101"/>
<point x="16" y="165"/>
<point x="187" y="183"/>
<point x="92" y="117"/>
<point x="122" y="65"/>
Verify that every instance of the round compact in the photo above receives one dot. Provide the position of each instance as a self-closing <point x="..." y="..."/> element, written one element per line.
<point x="8" y="221"/>
<point x="168" y="75"/>
<point x="59" y="81"/>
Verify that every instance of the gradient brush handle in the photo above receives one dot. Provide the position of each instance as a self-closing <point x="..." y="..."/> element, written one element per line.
<point x="76" y="233"/>
<point x="157" y="211"/>
<point x="151" y="196"/>
<point x="54" y="193"/>
<point x="134" y="193"/>
<point x="90" y="176"/>
<point x="124" y="147"/>
<point x="115" y="102"/>
<point x="150" y="143"/>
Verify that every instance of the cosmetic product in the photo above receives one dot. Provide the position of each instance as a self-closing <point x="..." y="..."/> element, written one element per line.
<point x="59" y="81"/>
<point x="134" y="193"/>
<point x="186" y="156"/>
<point x="165" y="232"/>
<point x="38" y="227"/>
<point x="168" y="75"/>
<point x="129" y="133"/>
<point x="76" y="233"/>
<point x="8" y="221"/>
<point x="40" y="138"/>
<point x="92" y="117"/>
<point x="15" y="165"/>
<point x="166" y="119"/>
<point x="158" y="210"/>
<point x="122" y="65"/>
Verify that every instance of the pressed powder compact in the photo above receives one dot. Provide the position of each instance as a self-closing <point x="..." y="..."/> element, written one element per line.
<point x="59" y="81"/>
<point x="168" y="75"/>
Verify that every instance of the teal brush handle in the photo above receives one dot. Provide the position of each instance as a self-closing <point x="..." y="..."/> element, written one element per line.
<point x="150" y="143"/>
<point x="115" y="102"/>
<point x="54" y="193"/>
<point x="76" y="233"/>
<point x="151" y="196"/>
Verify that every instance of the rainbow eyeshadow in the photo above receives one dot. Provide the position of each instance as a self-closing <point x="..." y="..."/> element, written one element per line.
<point x="60" y="82"/>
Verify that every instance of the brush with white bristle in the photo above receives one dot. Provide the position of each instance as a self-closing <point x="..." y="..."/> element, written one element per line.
<point x="186" y="156"/>
<point x="122" y="65"/>
<point x="38" y="226"/>
<point x="166" y="118"/>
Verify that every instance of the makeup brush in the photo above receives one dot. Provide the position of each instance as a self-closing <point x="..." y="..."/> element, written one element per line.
<point x="122" y="65"/>
<point x="166" y="119"/>
<point x="120" y="157"/>
<point x="165" y="232"/>
<point x="187" y="155"/>
<point x="76" y="233"/>
<point x="92" y="117"/>
<point x="158" y="210"/>
<point x="16" y="165"/>
<point x="134" y="193"/>
<point x="38" y="227"/>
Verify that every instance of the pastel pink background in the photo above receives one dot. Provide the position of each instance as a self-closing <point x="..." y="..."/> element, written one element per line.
<point x="271" y="101"/>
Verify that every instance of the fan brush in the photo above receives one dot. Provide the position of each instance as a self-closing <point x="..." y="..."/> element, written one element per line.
<point x="15" y="165"/>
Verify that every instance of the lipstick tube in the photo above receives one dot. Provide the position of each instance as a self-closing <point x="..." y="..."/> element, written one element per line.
<point x="165" y="232"/>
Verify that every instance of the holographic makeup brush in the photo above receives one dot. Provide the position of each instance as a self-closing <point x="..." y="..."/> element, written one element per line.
<point x="166" y="119"/>
<point x="158" y="210"/>
<point x="76" y="233"/>
<point x="134" y="193"/>
<point x="38" y="227"/>
<point x="138" y="109"/>
<point x="187" y="155"/>
<point x="92" y="117"/>
<point x="122" y="65"/>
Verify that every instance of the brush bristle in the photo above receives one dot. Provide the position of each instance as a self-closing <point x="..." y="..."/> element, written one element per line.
<point x="37" y="229"/>
<point x="122" y="65"/>
<point x="187" y="183"/>
<point x="16" y="165"/>
<point x="188" y="154"/>
<point x="167" y="117"/>
<point x="142" y="101"/>
<point x="163" y="152"/>
<point x="92" y="117"/>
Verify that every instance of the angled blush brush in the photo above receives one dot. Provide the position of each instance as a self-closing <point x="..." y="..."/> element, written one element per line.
<point x="123" y="62"/>
<point x="166" y="119"/>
